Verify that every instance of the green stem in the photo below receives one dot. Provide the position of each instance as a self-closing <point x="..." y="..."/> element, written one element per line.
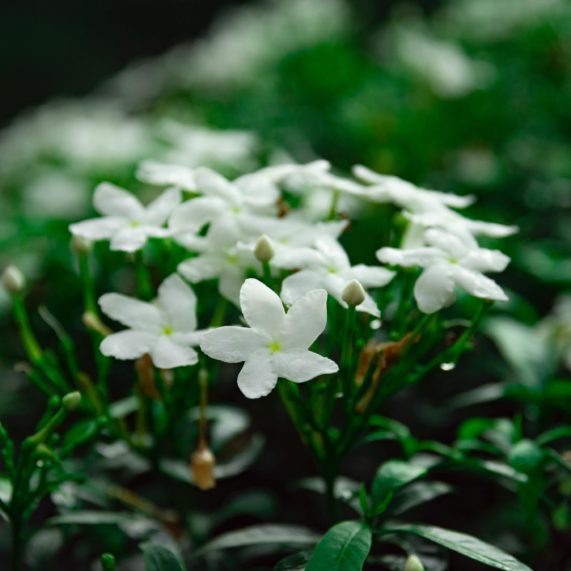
<point x="144" y="284"/>
<point x="334" y="203"/>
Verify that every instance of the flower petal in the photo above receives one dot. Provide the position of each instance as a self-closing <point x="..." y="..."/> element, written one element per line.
<point x="371" y="276"/>
<point x="231" y="344"/>
<point x="483" y="260"/>
<point x="262" y="308"/>
<point x="178" y="301"/>
<point x="112" y="200"/>
<point x="434" y="289"/>
<point x="305" y="320"/>
<point x="257" y="377"/>
<point x="98" y="228"/>
<point x="129" y="239"/>
<point x="128" y="344"/>
<point x="298" y="284"/>
<point x="211" y="183"/>
<point x="417" y="257"/>
<point x="166" y="354"/>
<point x="477" y="284"/>
<point x="201" y="268"/>
<point x="158" y="211"/>
<point x="301" y="366"/>
<point x="192" y="215"/>
<point x="131" y="312"/>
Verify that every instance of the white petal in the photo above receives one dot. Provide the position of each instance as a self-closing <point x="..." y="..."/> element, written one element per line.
<point x="490" y="228"/>
<point x="128" y="344"/>
<point x="131" y="312"/>
<point x="417" y="257"/>
<point x="478" y="284"/>
<point x="257" y="377"/>
<point x="111" y="200"/>
<point x="98" y="228"/>
<point x="165" y="174"/>
<point x="177" y="299"/>
<point x="230" y="284"/>
<point x="205" y="267"/>
<point x="298" y="284"/>
<point x="301" y="366"/>
<point x="290" y="258"/>
<point x="158" y="211"/>
<point x="434" y="289"/>
<point x="447" y="242"/>
<point x="231" y="344"/>
<point x="333" y="252"/>
<point x="192" y="215"/>
<point x="484" y="260"/>
<point x="371" y="276"/>
<point x="258" y="190"/>
<point x="305" y="320"/>
<point x="369" y="306"/>
<point x="129" y="239"/>
<point x="166" y="354"/>
<point x="213" y="184"/>
<point x="262" y="308"/>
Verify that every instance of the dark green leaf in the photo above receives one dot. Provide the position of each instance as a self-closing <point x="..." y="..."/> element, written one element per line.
<point x="464" y="544"/>
<point x="417" y="494"/>
<point x="344" y="547"/>
<point x="391" y="476"/>
<point x="159" y="558"/>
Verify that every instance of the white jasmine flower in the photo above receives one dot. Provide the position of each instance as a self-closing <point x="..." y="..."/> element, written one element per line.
<point x="220" y="258"/>
<point x="165" y="329"/>
<point x="275" y="344"/>
<point x="457" y="224"/>
<point x="126" y="222"/>
<point x="386" y="188"/>
<point x="164" y="174"/>
<point x="224" y="204"/>
<point x="328" y="267"/>
<point x="449" y="262"/>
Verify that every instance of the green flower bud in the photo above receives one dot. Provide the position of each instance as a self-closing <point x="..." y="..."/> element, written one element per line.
<point x="71" y="401"/>
<point x="264" y="250"/>
<point x="353" y="294"/>
<point x="413" y="563"/>
<point x="13" y="280"/>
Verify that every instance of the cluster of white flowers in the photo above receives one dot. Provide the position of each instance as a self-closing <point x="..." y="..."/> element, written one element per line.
<point x="234" y="229"/>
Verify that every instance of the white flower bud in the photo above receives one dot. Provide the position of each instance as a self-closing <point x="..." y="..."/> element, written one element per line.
<point x="413" y="563"/>
<point x="353" y="294"/>
<point x="264" y="250"/>
<point x="13" y="280"/>
<point x="71" y="401"/>
<point x="81" y="245"/>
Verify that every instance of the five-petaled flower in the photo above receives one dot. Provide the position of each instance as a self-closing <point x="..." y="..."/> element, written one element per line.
<point x="448" y="262"/>
<point x="165" y="329"/>
<point x="276" y="344"/>
<point x="125" y="221"/>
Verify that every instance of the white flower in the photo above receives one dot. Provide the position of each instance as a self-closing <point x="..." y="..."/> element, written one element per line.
<point x="276" y="344"/>
<point x="328" y="267"/>
<point x="449" y="262"/>
<point x="225" y="204"/>
<point x="220" y="258"/>
<point x="165" y="329"/>
<point x="387" y="188"/>
<point x="126" y="222"/>
<point x="164" y="174"/>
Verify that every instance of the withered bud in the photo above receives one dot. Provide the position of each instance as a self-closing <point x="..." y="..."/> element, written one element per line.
<point x="353" y="294"/>
<point x="202" y="464"/>
<point x="264" y="250"/>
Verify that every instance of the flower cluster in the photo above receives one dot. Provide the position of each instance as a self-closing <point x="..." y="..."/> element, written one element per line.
<point x="235" y="231"/>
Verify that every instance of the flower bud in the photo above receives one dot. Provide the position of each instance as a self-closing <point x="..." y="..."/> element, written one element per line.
<point x="413" y="563"/>
<point x="13" y="280"/>
<point x="353" y="294"/>
<point x="71" y="401"/>
<point x="81" y="245"/>
<point x="264" y="250"/>
<point x="202" y="464"/>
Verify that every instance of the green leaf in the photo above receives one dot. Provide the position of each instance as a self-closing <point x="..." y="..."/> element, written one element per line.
<point x="263" y="534"/>
<point x="159" y="558"/>
<point x="344" y="547"/>
<point x="464" y="544"/>
<point x="391" y="476"/>
<point x="294" y="562"/>
<point x="417" y="494"/>
<point x="93" y="518"/>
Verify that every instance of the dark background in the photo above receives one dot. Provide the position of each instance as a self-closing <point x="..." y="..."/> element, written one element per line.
<point x="66" y="47"/>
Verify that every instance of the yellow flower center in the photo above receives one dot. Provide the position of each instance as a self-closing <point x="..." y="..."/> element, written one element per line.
<point x="275" y="347"/>
<point x="134" y="224"/>
<point x="168" y="330"/>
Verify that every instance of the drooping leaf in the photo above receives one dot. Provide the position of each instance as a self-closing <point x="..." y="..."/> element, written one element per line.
<point x="465" y="544"/>
<point x="159" y="558"/>
<point x="263" y="534"/>
<point x="344" y="547"/>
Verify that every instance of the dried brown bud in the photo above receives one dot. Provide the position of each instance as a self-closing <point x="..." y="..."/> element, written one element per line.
<point x="202" y="464"/>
